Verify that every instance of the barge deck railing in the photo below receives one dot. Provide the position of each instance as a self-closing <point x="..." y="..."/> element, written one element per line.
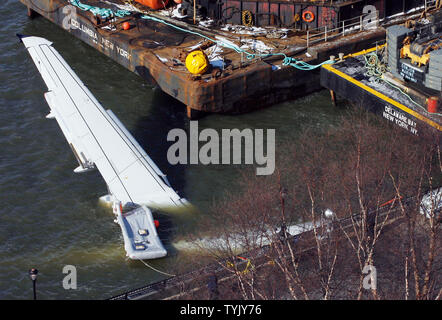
<point x="430" y="4"/>
<point x="345" y="27"/>
<point x="355" y="24"/>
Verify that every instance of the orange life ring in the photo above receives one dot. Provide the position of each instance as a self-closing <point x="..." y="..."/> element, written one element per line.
<point x="305" y="14"/>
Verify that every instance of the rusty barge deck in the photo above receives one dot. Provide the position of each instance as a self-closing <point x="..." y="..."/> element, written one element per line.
<point x="156" y="52"/>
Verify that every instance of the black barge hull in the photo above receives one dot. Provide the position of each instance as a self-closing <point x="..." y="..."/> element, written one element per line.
<point x="383" y="100"/>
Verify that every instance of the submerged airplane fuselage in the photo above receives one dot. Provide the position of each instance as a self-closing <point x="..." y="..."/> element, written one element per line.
<point x="99" y="140"/>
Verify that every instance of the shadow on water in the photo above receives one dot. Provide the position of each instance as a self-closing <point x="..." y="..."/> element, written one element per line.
<point x="166" y="113"/>
<point x="151" y="131"/>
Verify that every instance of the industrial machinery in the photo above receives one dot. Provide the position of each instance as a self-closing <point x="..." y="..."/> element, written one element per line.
<point x="415" y="52"/>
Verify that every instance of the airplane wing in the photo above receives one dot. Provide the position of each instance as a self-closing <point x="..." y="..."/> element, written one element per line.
<point x="97" y="138"/>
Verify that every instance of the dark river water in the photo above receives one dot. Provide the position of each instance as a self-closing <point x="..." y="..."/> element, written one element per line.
<point x="51" y="217"/>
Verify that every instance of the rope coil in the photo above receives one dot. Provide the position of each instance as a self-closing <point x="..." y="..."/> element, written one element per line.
<point x="247" y="18"/>
<point x="375" y="67"/>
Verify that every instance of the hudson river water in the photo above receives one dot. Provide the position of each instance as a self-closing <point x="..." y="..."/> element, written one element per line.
<point x="49" y="216"/>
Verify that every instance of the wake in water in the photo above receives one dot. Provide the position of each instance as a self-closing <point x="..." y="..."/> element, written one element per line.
<point x="238" y="242"/>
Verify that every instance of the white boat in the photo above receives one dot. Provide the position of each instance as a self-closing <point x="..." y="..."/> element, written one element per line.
<point x="99" y="140"/>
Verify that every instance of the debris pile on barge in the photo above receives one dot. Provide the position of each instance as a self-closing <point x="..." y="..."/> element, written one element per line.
<point x="257" y="51"/>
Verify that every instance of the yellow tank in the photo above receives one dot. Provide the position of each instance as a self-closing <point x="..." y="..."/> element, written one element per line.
<point x="197" y="62"/>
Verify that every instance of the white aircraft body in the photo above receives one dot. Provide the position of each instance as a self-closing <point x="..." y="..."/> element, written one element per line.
<point x="99" y="140"/>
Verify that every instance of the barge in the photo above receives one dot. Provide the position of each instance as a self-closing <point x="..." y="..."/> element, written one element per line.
<point x="258" y="52"/>
<point x="401" y="80"/>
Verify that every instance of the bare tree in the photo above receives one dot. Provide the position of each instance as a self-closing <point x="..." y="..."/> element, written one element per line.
<point x="363" y="174"/>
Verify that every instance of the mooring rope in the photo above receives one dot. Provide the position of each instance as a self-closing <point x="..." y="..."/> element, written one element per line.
<point x="287" y="61"/>
<point x="374" y="66"/>
<point x="405" y="94"/>
<point x="103" y="12"/>
<point x="154" y="269"/>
